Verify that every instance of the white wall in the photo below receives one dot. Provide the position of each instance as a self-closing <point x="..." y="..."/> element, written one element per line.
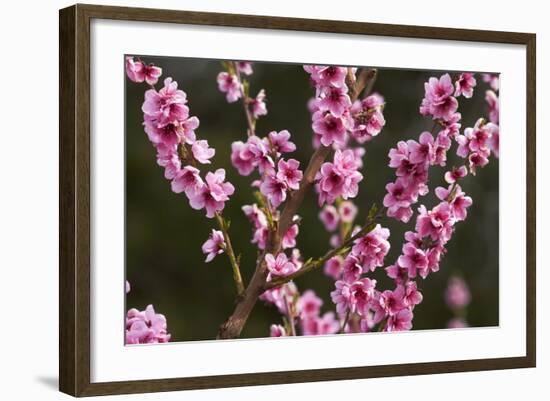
<point x="28" y="197"/>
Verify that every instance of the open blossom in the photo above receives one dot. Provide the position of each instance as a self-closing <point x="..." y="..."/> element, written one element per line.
<point x="331" y="76"/>
<point x="320" y="325"/>
<point x="334" y="99"/>
<point x="414" y="259"/>
<point x="401" y="321"/>
<point x="339" y="178"/>
<point x="276" y="330"/>
<point x="167" y="105"/>
<point x="423" y="151"/>
<point x="329" y="128"/>
<point x="435" y="223"/>
<point x="168" y="157"/>
<point x="351" y="269"/>
<point x="368" y="119"/>
<point x="255" y="215"/>
<point x="138" y="71"/>
<point x="274" y="189"/>
<point x="245" y="67"/>
<point x="465" y="84"/>
<point x="309" y="304"/>
<point x="257" y="105"/>
<point x="213" y="194"/>
<point x="412" y="296"/>
<point x="333" y="267"/>
<point x="456" y="174"/>
<point x="289" y="173"/>
<point x="457" y="294"/>
<point x="347" y="211"/>
<point x="146" y="327"/>
<point x="354" y="297"/>
<point x="280" y="142"/>
<point x="215" y="245"/>
<point x="289" y="239"/>
<point x="372" y="248"/>
<point x="202" y="152"/>
<point x="392" y="301"/>
<point x="329" y="217"/>
<point x="187" y="180"/>
<point x="280" y="265"/>
<point x="439" y="100"/>
<point x="494" y="140"/>
<point x="280" y="296"/>
<point x="229" y="84"/>
<point x="457" y="199"/>
<point x="242" y="158"/>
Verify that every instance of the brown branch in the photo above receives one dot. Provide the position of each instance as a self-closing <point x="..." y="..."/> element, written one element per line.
<point x="233" y="326"/>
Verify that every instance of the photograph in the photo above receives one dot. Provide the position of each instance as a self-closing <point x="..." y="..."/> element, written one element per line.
<point x="269" y="199"/>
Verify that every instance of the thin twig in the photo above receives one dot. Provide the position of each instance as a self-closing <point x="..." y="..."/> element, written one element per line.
<point x="250" y="120"/>
<point x="231" y="255"/>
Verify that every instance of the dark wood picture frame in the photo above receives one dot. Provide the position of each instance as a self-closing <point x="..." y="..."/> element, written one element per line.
<point x="74" y="199"/>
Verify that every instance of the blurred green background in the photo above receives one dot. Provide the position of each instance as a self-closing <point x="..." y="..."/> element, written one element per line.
<point x="164" y="262"/>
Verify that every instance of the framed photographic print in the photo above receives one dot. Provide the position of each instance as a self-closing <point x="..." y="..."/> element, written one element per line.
<point x="305" y="200"/>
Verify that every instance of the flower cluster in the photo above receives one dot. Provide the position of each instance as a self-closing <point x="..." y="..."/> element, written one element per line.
<point x="138" y="71"/>
<point x="339" y="178"/>
<point x="477" y="144"/>
<point x="145" y="327"/>
<point x="171" y="130"/>
<point x="215" y="245"/>
<point x="368" y="119"/>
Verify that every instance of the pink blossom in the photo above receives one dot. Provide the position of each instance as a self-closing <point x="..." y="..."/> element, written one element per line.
<point x="328" y="75"/>
<point x="242" y="158"/>
<point x="259" y="148"/>
<point x="457" y="294"/>
<point x="167" y="157"/>
<point x="368" y="119"/>
<point x="414" y="259"/>
<point x="398" y="200"/>
<point x="422" y="152"/>
<point x="412" y="296"/>
<point x="255" y="215"/>
<point x="202" y="152"/>
<point x="333" y="267"/>
<point x="309" y="304"/>
<point x="229" y="84"/>
<point x="347" y="211"/>
<point x="127" y="286"/>
<point x="465" y="84"/>
<point x="372" y="248"/>
<point x="492" y="80"/>
<point x="187" y="180"/>
<point x="257" y="105"/>
<point x="351" y="269"/>
<point x="289" y="174"/>
<point x="280" y="265"/>
<point x="435" y="223"/>
<point x="401" y="321"/>
<point x="354" y="297"/>
<point x="146" y="327"/>
<point x="212" y="195"/>
<point x="329" y="128"/>
<point x="280" y="296"/>
<point x="493" y="103"/>
<point x="274" y="189"/>
<point x="329" y="217"/>
<point x="334" y="99"/>
<point x="245" y="67"/>
<point x="280" y="141"/>
<point x="167" y="105"/>
<point x="137" y="71"/>
<point x="439" y="100"/>
<point x="392" y="301"/>
<point x="316" y="325"/>
<point x="276" y="330"/>
<point x="494" y="139"/>
<point x="339" y="178"/>
<point x="459" y="202"/>
<point x="289" y="239"/>
<point x="477" y="159"/>
<point x="215" y="245"/>
<point x="455" y="174"/>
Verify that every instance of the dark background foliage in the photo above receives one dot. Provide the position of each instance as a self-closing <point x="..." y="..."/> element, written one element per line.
<point x="164" y="262"/>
